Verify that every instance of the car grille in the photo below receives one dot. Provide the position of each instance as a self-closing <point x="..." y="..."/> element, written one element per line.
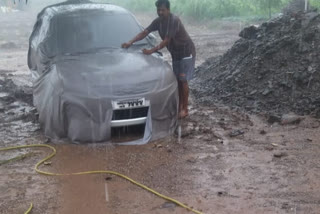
<point x="123" y="114"/>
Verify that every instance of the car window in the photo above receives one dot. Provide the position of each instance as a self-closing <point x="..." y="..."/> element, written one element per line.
<point x="86" y="30"/>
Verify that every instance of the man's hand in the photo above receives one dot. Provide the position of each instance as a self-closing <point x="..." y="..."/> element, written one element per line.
<point x="147" y="52"/>
<point x="126" y="45"/>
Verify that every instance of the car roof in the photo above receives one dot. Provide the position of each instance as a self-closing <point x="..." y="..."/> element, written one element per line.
<point x="84" y="4"/>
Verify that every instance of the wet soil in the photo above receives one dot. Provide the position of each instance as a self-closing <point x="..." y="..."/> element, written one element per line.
<point x="227" y="161"/>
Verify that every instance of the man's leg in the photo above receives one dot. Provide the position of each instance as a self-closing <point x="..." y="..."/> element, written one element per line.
<point x="183" y="70"/>
<point x="177" y="69"/>
<point x="186" y="74"/>
<point x="184" y="98"/>
<point x="180" y="97"/>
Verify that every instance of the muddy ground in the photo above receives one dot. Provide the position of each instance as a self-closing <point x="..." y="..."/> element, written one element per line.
<point x="227" y="161"/>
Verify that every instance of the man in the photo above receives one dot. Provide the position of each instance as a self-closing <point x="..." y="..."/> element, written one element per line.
<point x="180" y="46"/>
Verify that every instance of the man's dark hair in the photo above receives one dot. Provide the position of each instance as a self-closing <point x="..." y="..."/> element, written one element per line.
<point x="160" y="3"/>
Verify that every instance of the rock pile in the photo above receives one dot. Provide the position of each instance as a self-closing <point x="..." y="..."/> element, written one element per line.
<point x="274" y="67"/>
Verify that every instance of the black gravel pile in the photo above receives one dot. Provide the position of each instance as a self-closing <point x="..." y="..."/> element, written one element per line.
<point x="274" y="67"/>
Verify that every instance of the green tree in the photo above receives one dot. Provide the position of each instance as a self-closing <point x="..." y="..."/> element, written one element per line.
<point x="315" y="3"/>
<point x="270" y="4"/>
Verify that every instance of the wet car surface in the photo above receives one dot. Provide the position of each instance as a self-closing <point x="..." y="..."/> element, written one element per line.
<point x="85" y="84"/>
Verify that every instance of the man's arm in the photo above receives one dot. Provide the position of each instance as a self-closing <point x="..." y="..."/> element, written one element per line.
<point x="163" y="44"/>
<point x="138" y="37"/>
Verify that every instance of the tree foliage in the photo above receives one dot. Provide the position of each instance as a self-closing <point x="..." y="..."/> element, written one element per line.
<point x="208" y="9"/>
<point x="202" y="9"/>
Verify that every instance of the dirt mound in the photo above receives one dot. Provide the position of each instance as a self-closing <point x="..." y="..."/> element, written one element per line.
<point x="13" y="92"/>
<point x="15" y="102"/>
<point x="274" y="67"/>
<point x="8" y="45"/>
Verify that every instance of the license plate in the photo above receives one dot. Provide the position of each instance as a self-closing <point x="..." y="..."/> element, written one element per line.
<point x="128" y="103"/>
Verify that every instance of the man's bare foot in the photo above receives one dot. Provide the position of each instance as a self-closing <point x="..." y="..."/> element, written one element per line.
<point x="183" y="114"/>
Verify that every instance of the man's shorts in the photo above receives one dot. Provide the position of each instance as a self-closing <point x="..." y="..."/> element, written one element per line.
<point x="184" y="68"/>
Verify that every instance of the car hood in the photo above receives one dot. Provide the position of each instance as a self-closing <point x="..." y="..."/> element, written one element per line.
<point x="116" y="73"/>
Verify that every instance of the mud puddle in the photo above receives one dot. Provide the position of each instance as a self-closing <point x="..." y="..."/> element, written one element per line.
<point x="266" y="169"/>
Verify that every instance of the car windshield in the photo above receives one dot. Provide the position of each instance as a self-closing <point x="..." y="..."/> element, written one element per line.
<point x="88" y="30"/>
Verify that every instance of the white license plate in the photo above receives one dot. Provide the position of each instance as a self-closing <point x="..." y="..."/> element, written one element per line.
<point x="128" y="103"/>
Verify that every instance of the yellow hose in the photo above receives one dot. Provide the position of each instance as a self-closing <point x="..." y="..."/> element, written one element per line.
<point x="91" y="172"/>
<point x="29" y="210"/>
